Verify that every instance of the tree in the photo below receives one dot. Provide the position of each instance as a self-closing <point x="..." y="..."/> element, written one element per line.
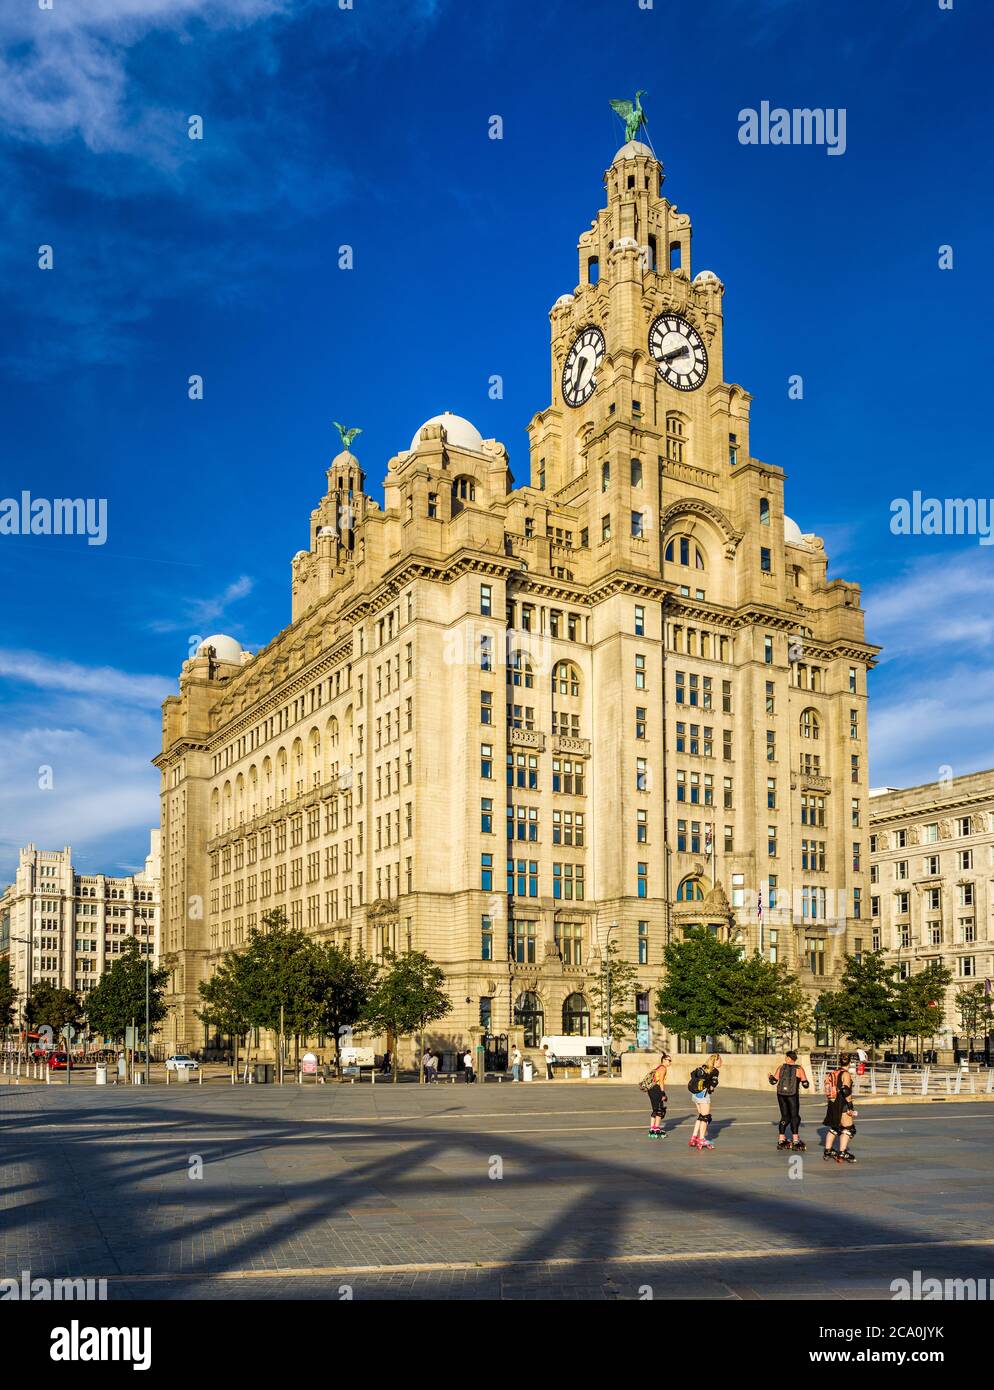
<point x="57" y="1008"/>
<point x="225" y="1005"/>
<point x="973" y="1006"/>
<point x="8" y="995"/>
<point x="699" y="995"/>
<point x="347" y="987"/>
<point x="920" y="1000"/>
<point x="864" y="1008"/>
<point x="118" y="1001"/>
<point x="280" y="971"/>
<point x="408" y="996"/>
<point x="623" y="977"/>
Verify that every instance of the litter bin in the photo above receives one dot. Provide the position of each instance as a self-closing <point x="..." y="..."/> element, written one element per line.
<point x="138" y="1078"/>
<point x="585" y="1071"/>
<point x="101" y="1073"/>
<point x="264" y="1072"/>
<point x="182" y="1075"/>
<point x="526" y="1071"/>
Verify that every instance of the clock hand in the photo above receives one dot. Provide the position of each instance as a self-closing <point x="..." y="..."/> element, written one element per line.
<point x="672" y="356"/>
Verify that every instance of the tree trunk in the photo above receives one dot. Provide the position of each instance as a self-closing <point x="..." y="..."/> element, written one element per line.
<point x="421" y="1057"/>
<point x="395" y="1059"/>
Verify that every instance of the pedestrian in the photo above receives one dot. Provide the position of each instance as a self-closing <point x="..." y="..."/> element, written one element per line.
<point x="515" y="1064"/>
<point x="840" y="1115"/>
<point x="653" y="1083"/>
<point x="386" y="1064"/>
<point x="426" y="1065"/>
<point x="703" y="1081"/>
<point x="549" y="1060"/>
<point x="122" y="1069"/>
<point x="788" y="1079"/>
<point x="467" y="1063"/>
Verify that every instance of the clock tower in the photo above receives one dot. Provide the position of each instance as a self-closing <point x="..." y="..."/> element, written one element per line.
<point x="636" y="370"/>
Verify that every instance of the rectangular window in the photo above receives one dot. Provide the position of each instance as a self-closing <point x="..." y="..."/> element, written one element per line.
<point x="486" y="938"/>
<point x="487" y="873"/>
<point x="486" y="760"/>
<point x="606" y="527"/>
<point x="643" y="881"/>
<point x="486" y="606"/>
<point x="639" y="621"/>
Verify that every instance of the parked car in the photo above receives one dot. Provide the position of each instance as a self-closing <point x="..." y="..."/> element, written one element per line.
<point x="181" y="1061"/>
<point x="59" y="1061"/>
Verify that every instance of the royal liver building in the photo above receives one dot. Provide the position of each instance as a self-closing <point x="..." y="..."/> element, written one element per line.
<point x="509" y="723"/>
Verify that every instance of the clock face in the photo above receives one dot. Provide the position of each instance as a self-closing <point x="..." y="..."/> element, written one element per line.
<point x="580" y="369"/>
<point x="680" y="356"/>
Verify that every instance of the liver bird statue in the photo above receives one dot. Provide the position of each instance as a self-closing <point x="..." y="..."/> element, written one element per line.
<point x="632" y="114"/>
<point x="346" y="436"/>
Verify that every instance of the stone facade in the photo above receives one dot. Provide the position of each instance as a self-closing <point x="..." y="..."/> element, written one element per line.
<point x="66" y="928"/>
<point x="633" y="663"/>
<point x="932" y="880"/>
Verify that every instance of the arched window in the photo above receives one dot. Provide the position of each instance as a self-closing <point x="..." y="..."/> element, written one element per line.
<point x="529" y="1015"/>
<point x="764" y="511"/>
<point x="519" y="671"/>
<point x="691" y="890"/>
<point x="676" y="255"/>
<point x="682" y="550"/>
<point x="676" y="437"/>
<point x="565" y="679"/>
<point x="576" y="1016"/>
<point x="593" y="270"/>
<point x="314" y="763"/>
<point x="463" y="491"/>
<point x="810" y="724"/>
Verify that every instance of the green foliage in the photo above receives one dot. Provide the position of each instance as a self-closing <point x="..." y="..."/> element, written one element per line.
<point x="973" y="1007"/>
<point x="713" y="991"/>
<point x="348" y="985"/>
<point x="58" y="1008"/>
<point x="119" y="999"/>
<point x="279" y="978"/>
<point x="624" y="979"/>
<point x="699" y="994"/>
<point x="408" y="996"/>
<point x="919" y="1000"/>
<point x="865" y="1007"/>
<point x="225" y="1005"/>
<point x="8" y="994"/>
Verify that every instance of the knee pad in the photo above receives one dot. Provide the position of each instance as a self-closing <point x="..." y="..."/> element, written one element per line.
<point x="850" y="1131"/>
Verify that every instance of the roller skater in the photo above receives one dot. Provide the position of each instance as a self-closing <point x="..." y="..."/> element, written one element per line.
<point x="839" y="1115"/>
<point x="653" y="1084"/>
<point x="703" y="1081"/>
<point x="788" y="1079"/>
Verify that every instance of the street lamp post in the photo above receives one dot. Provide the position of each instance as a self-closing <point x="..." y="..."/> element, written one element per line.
<point x="607" y="968"/>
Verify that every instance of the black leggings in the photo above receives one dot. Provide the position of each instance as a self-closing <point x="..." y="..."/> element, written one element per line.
<point x="790" y="1113"/>
<point x="658" y="1101"/>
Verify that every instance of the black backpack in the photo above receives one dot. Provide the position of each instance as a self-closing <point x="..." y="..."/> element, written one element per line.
<point x="698" y="1080"/>
<point x="787" y="1083"/>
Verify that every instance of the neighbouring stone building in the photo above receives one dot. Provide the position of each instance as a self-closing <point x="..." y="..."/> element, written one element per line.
<point x="507" y="719"/>
<point x="932" y="880"/>
<point x="66" y="928"/>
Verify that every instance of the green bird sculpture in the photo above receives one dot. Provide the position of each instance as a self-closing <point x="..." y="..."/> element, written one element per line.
<point x="347" y="436"/>
<point x="632" y="114"/>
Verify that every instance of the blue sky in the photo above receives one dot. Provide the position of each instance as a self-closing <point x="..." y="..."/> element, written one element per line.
<point x="368" y="126"/>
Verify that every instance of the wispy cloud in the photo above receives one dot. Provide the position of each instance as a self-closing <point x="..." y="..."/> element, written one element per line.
<point x="931" y="697"/>
<point x="33" y="668"/>
<point x="198" y="615"/>
<point x="74" y="758"/>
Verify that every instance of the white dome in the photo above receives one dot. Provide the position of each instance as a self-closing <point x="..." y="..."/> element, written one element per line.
<point x="458" y="432"/>
<point x="791" y="531"/>
<point x="563" y="299"/>
<point x="225" y="648"/>
<point x="626" y="243"/>
<point x="326" y="530"/>
<point x="707" y="277"/>
<point x="630" y="150"/>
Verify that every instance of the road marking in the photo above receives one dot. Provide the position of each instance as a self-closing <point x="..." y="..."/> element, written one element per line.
<point x="776" y="1252"/>
<point x="192" y="1132"/>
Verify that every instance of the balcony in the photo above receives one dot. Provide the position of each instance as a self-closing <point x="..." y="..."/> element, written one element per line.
<point x="571" y="747"/>
<point x="531" y="739"/>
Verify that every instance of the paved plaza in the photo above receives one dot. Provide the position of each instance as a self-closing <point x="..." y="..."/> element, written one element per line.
<point x="497" y="1191"/>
